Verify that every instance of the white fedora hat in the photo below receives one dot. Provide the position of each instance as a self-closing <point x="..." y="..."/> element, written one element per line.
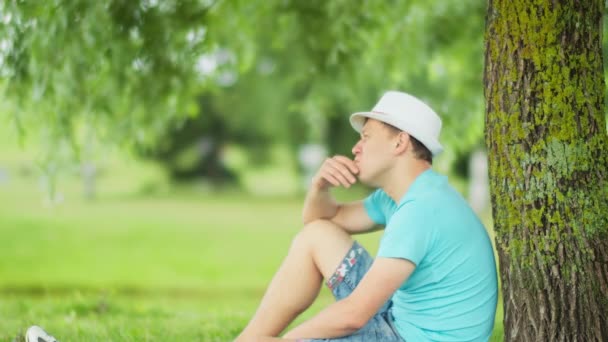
<point x="406" y="113"/>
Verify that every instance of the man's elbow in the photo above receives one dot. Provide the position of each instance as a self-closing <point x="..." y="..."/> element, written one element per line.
<point x="306" y="219"/>
<point x="352" y="325"/>
<point x="356" y="321"/>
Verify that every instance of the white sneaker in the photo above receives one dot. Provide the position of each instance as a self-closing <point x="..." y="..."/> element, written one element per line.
<point x="36" y="334"/>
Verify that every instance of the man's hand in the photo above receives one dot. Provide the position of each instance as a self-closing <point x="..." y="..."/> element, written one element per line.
<point x="336" y="171"/>
<point x="320" y="205"/>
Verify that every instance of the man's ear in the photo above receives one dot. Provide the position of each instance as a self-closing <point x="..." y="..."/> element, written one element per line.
<point x="403" y="143"/>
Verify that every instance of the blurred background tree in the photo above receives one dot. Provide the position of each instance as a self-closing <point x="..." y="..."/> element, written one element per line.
<point x="177" y="81"/>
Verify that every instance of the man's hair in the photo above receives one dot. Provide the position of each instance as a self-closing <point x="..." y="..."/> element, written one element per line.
<point x="420" y="151"/>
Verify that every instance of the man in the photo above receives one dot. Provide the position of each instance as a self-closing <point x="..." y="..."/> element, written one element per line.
<point x="434" y="277"/>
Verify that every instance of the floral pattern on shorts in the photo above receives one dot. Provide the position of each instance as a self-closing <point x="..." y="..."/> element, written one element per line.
<point x="347" y="263"/>
<point x="343" y="282"/>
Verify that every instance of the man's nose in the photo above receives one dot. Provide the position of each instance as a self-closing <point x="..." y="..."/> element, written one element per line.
<point x="357" y="148"/>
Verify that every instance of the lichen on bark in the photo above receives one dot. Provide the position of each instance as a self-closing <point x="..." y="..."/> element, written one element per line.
<point x="548" y="162"/>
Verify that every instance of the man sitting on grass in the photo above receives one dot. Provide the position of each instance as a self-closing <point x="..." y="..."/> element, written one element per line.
<point x="434" y="277"/>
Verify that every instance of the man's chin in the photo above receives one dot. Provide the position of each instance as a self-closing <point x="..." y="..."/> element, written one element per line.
<point x="363" y="180"/>
<point x="367" y="180"/>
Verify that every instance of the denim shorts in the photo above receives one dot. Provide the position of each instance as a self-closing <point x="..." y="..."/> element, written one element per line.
<point x="342" y="283"/>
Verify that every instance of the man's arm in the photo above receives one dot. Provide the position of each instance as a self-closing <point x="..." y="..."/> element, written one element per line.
<point x="319" y="203"/>
<point x="346" y="316"/>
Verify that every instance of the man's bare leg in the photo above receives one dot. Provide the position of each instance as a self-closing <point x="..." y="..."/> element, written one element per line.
<point x="314" y="254"/>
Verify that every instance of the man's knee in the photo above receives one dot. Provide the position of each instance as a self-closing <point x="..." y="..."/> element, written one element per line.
<point x="310" y="232"/>
<point x="321" y="229"/>
<point x="326" y="242"/>
<point x="321" y="225"/>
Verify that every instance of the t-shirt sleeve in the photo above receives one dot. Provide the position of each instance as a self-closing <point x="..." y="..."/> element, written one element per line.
<point x="375" y="204"/>
<point x="408" y="235"/>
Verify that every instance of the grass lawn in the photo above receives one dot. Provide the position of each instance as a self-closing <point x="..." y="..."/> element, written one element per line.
<point x="178" y="267"/>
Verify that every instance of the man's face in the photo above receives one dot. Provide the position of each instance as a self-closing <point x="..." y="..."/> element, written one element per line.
<point x="374" y="151"/>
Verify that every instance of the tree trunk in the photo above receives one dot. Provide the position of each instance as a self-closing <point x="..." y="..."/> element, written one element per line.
<point x="548" y="165"/>
<point x="88" y="171"/>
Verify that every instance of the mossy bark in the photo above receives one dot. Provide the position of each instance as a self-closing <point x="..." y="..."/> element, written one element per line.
<point x="548" y="165"/>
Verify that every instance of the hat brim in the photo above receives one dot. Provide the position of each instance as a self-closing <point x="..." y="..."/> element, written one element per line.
<point x="357" y="121"/>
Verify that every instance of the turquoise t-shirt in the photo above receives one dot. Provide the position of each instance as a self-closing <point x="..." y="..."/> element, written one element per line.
<point x="452" y="293"/>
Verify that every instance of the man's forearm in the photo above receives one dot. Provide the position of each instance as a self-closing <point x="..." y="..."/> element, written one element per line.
<point x="336" y="320"/>
<point x="319" y="204"/>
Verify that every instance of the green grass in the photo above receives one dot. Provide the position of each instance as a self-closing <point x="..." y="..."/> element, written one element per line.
<point x="176" y="267"/>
